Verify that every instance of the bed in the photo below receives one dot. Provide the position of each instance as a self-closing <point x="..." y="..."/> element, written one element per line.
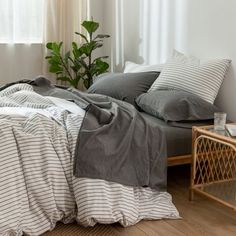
<point x="56" y="146"/>
<point x="38" y="187"/>
<point x="178" y="138"/>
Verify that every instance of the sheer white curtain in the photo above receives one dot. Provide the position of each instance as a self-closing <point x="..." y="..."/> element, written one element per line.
<point x="25" y="28"/>
<point x="62" y="18"/>
<point x="21" y="21"/>
<point x="143" y="31"/>
<point x="21" y="32"/>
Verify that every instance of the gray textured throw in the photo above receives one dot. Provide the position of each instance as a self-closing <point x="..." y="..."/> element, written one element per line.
<point x="117" y="144"/>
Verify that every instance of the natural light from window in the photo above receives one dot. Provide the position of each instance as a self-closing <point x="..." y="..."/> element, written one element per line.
<point x="146" y="31"/>
<point x="21" y="21"/>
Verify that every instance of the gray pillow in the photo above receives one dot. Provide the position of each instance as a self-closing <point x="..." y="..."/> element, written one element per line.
<point x="124" y="86"/>
<point x="176" y="105"/>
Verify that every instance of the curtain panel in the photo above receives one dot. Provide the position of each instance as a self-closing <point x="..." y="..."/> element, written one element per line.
<point x="142" y="31"/>
<point x="21" y="21"/>
<point x="26" y="27"/>
<point x="61" y="20"/>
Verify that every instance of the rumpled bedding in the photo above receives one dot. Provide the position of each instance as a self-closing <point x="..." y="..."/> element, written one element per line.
<point x="37" y="189"/>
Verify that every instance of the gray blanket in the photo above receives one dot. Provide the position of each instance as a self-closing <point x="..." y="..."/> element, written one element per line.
<point x="115" y="142"/>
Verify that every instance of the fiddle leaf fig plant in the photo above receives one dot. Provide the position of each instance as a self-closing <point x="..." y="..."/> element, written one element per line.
<point x="78" y="63"/>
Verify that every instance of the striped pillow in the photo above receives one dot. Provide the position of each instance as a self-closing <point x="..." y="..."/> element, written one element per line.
<point x="189" y="74"/>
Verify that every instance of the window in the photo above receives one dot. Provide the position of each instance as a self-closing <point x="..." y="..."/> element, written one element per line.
<point x="21" y="21"/>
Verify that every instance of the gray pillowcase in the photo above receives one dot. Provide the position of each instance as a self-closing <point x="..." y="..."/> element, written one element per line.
<point x="176" y="105"/>
<point x="124" y="86"/>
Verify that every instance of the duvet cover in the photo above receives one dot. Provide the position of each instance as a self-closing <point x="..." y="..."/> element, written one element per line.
<point x="38" y="136"/>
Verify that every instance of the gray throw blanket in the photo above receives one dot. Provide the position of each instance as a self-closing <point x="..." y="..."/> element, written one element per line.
<point x="115" y="142"/>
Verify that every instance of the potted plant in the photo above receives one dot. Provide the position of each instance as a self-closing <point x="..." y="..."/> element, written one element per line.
<point x="78" y="63"/>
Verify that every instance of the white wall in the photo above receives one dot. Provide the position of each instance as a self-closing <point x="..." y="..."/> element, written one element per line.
<point x="149" y="30"/>
<point x="20" y="61"/>
<point x="210" y="33"/>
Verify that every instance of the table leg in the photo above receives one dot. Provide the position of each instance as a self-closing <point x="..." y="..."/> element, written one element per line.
<point x="191" y="194"/>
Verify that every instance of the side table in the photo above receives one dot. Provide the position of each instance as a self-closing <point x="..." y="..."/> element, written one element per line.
<point x="213" y="171"/>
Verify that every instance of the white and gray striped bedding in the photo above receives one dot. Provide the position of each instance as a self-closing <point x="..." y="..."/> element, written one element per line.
<point x="37" y="186"/>
<point x="191" y="75"/>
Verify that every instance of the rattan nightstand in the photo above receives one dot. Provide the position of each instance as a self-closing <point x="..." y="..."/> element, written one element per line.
<point x="214" y="165"/>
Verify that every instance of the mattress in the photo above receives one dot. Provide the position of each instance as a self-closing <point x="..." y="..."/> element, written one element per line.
<point x="178" y="135"/>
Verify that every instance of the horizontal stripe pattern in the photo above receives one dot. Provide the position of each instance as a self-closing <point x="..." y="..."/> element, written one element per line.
<point x="37" y="187"/>
<point x="105" y="202"/>
<point x="190" y="75"/>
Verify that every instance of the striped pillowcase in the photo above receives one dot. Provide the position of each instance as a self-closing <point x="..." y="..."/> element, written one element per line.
<point x="189" y="74"/>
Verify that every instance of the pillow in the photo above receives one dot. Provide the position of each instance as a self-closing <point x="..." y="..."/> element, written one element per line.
<point x="125" y="87"/>
<point x="131" y="67"/>
<point x="174" y="105"/>
<point x="189" y="74"/>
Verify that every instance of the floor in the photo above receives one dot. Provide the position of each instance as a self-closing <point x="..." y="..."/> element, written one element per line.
<point x="200" y="217"/>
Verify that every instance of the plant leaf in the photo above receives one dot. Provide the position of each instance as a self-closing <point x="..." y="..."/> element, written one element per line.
<point x="102" y="36"/>
<point x="49" y="45"/>
<point x="67" y="55"/>
<point x="55" y="68"/>
<point x="56" y="48"/>
<point x="83" y="36"/>
<point x="76" y="67"/>
<point x="97" y="45"/>
<point x="81" y="62"/>
<point x="74" y="45"/>
<point x="90" y="26"/>
<point x="74" y="82"/>
<point x="60" y="45"/>
<point x="63" y="78"/>
<point x="77" y="52"/>
<point x="103" y="57"/>
<point x="54" y="59"/>
<point x="86" y="83"/>
<point x="101" y="66"/>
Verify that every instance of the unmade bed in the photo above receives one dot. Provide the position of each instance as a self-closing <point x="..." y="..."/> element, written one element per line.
<point x="38" y="187"/>
<point x="72" y="156"/>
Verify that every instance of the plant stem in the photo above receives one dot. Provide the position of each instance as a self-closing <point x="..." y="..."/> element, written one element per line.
<point x="66" y="68"/>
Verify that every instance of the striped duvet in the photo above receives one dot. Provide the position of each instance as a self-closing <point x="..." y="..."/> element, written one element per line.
<point x="37" y="187"/>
